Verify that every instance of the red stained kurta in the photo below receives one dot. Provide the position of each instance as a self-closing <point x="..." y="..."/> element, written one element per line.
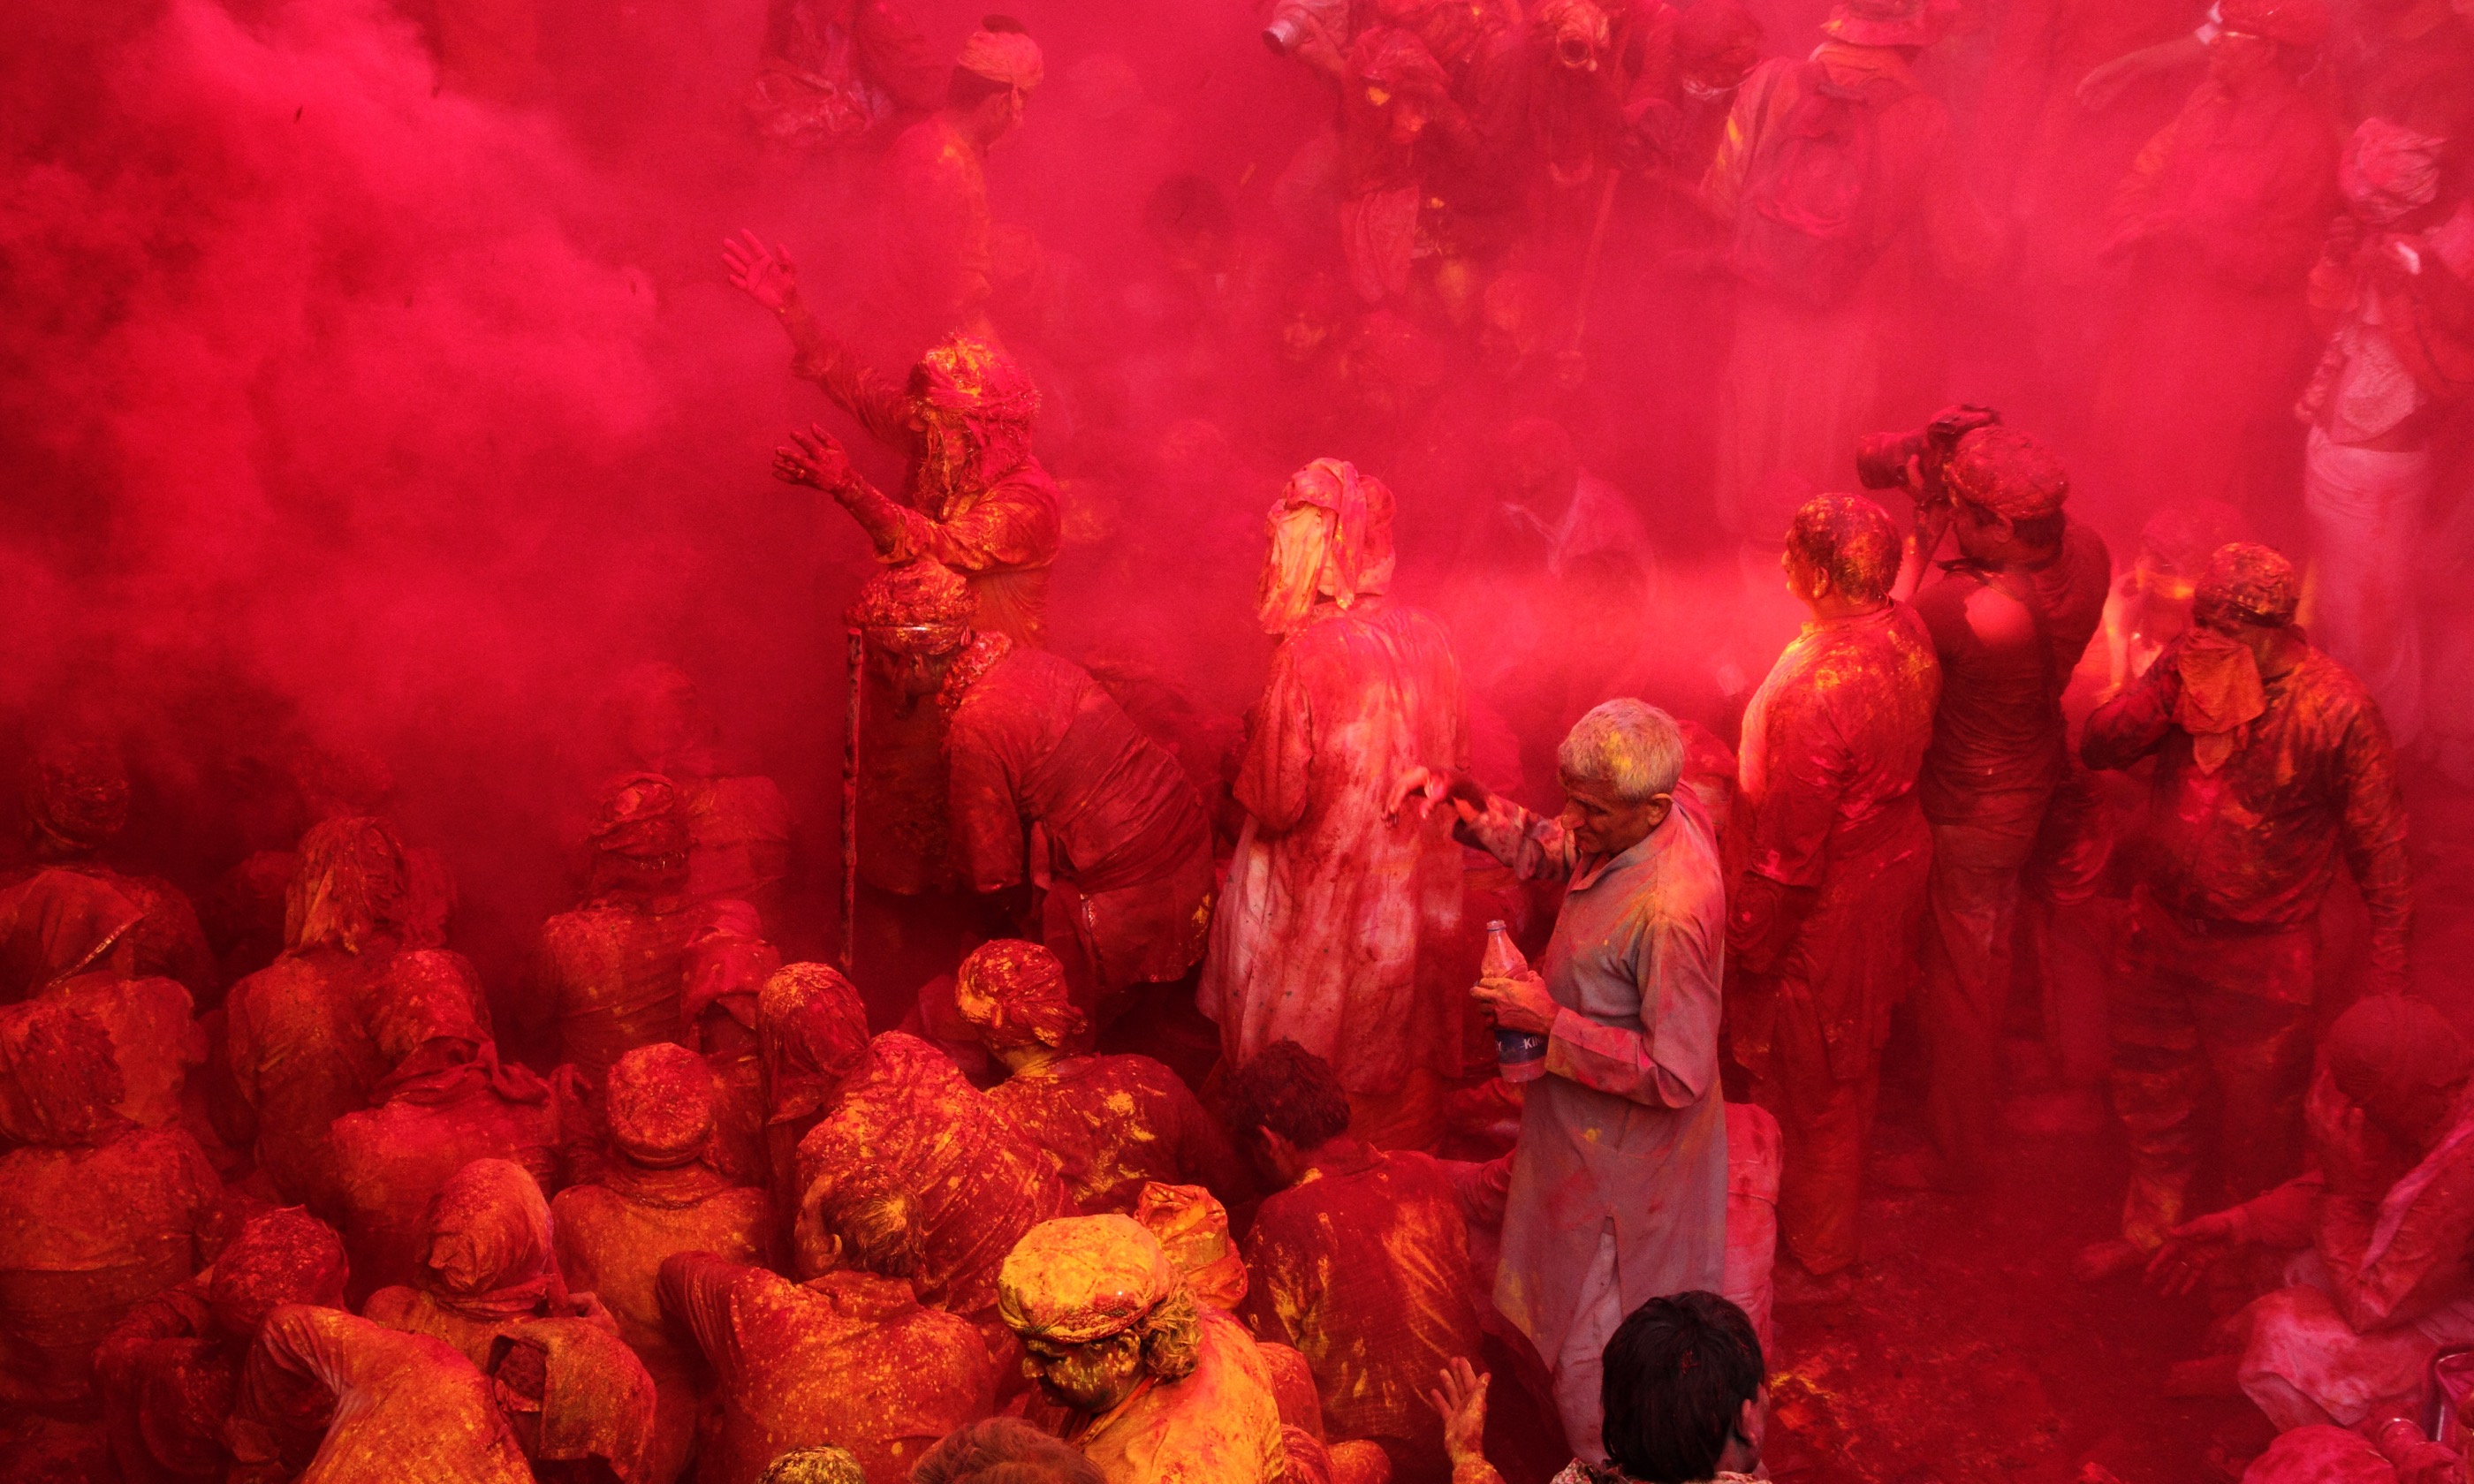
<point x="2255" y="845"/>
<point x="1036" y="741"/>
<point x="1833" y="741"/>
<point x="1326" y="905"/>
<point x="1114" y="1122"/>
<point x="611" y="1238"/>
<point x="611" y="975"/>
<point x="848" y="1356"/>
<point x="390" y="1161"/>
<point x="407" y="1407"/>
<point x="300" y="1059"/>
<point x="87" y="1231"/>
<point x="1365" y="1268"/>
<point x="908" y="1116"/>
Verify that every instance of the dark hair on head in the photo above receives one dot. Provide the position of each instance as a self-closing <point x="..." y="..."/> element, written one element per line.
<point x="1852" y="540"/>
<point x="2040" y="531"/>
<point x="1002" y="1450"/>
<point x="1188" y="206"/>
<point x="1678" y="1374"/>
<point x="1290" y="1091"/>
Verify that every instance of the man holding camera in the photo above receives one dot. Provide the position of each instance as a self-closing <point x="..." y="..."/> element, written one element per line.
<point x="2009" y="617"/>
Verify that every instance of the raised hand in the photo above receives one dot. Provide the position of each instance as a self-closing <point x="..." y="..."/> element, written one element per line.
<point x="766" y="275"/>
<point x="814" y="458"/>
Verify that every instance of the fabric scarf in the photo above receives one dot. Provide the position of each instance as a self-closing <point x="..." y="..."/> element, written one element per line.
<point x="810" y="1032"/>
<point x="56" y="924"/>
<point x="495" y="1225"/>
<point x="1331" y="537"/>
<point x="448" y="1070"/>
<point x="975" y="662"/>
<point x="2222" y="695"/>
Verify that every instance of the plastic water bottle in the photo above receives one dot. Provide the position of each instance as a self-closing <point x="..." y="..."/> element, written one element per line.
<point x="1520" y="1056"/>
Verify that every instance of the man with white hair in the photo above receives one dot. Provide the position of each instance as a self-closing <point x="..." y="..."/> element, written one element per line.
<point x="1619" y="1179"/>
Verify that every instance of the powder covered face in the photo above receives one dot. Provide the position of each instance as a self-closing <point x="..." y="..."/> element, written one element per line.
<point x="1090" y="1377"/>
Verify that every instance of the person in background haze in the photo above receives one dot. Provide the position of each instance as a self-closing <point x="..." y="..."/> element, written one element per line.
<point x="1822" y="920"/>
<point x="1333" y="918"/>
<point x="606" y="977"/>
<point x="2214" y="229"/>
<point x="2393" y="291"/>
<point x="834" y="71"/>
<point x="2009" y="619"/>
<point x="739" y="825"/>
<point x="2270" y="764"/>
<point x="72" y="937"/>
<point x="299" y="1054"/>
<point x="77" y="803"/>
<point x="1618" y="1183"/>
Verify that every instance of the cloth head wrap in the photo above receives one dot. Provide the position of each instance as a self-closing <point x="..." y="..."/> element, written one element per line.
<point x="56" y="924"/>
<point x="1192" y="1227"/>
<point x="595" y="1398"/>
<point x="77" y="792"/>
<point x="822" y="1465"/>
<point x="1001" y="52"/>
<point x="919" y="607"/>
<point x="967" y="377"/>
<point x="1079" y="1278"/>
<point x="1331" y="535"/>
<point x="660" y="1100"/>
<point x="1014" y="993"/>
<point x="2388" y="1048"/>
<point x="2003" y="470"/>
<point x="2249" y="581"/>
<point x="487" y="1243"/>
<point x="639" y="818"/>
<point x="2299" y="23"/>
<point x="59" y="1083"/>
<point x="430" y="1018"/>
<point x="282" y="1256"/>
<point x="2390" y="171"/>
<point x="810" y="1032"/>
<point x="1715" y="30"/>
<point x="350" y="886"/>
<point x="1887" y="22"/>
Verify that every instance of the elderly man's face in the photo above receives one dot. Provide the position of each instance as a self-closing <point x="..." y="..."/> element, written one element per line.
<point x="1602" y="824"/>
<point x="1090" y="1377"/>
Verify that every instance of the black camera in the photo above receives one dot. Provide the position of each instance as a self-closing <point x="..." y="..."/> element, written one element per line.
<point x="1882" y="458"/>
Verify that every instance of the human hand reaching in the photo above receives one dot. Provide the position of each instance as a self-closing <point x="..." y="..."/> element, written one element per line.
<point x="814" y="458"/>
<point x="2190" y="1250"/>
<point x="1461" y="1403"/>
<point x="765" y="274"/>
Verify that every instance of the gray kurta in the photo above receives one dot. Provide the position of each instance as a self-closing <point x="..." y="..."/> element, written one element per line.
<point x="1628" y="1126"/>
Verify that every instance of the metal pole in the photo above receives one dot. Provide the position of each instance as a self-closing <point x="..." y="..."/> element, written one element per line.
<point x="855" y="649"/>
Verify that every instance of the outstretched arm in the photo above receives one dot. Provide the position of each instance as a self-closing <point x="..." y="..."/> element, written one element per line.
<point x="768" y="275"/>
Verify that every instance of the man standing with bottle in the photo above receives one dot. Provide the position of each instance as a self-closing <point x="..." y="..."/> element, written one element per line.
<point x="1619" y="1179"/>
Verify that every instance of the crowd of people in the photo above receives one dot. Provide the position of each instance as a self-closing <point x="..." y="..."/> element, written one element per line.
<point x="1438" y="1074"/>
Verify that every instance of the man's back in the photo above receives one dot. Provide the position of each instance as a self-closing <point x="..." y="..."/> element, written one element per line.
<point x="611" y="974"/>
<point x="849" y="1356"/>
<point x="1366" y="1270"/>
<point x="2007" y="639"/>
